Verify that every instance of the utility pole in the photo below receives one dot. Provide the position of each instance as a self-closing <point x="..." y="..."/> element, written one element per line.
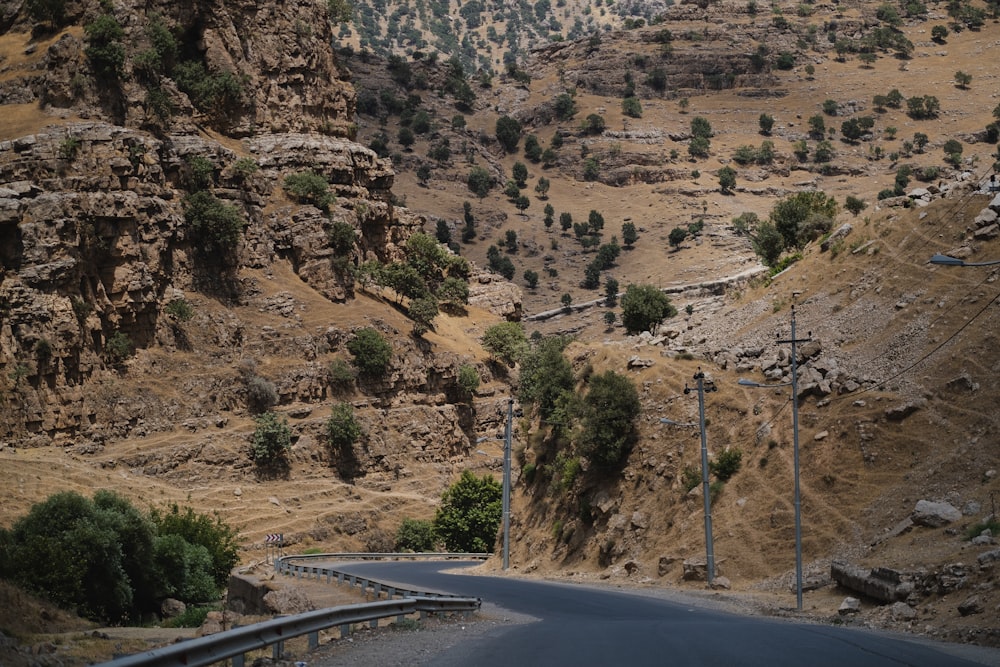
<point x="795" y="458"/>
<point x="709" y="549"/>
<point x="507" y="434"/>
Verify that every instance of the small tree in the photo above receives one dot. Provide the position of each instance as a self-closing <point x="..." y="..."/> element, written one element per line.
<point x="609" y="318"/>
<point x="631" y="107"/>
<point x="479" y="181"/>
<point x="939" y="33"/>
<point x="643" y="307"/>
<point x="415" y="535"/>
<point x="610" y="407"/>
<point x="271" y="440"/>
<point x="371" y="352"/>
<point x="727" y="179"/>
<point x="727" y="463"/>
<point x="766" y="122"/>
<point x="311" y="188"/>
<point x="531" y="279"/>
<point x="854" y="205"/>
<point x="505" y="341"/>
<point x="468" y="379"/>
<point x="629" y="234"/>
<point x="469" y="514"/>
<point x="519" y="173"/>
<point x="962" y="80"/>
<point x="508" y="132"/>
<point x="677" y="236"/>
<point x="542" y="188"/>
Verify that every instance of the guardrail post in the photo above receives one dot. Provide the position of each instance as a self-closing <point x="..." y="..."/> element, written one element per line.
<point x="238" y="660"/>
<point x="390" y="592"/>
<point x="340" y="578"/>
<point x="373" y="623"/>
<point x="327" y="575"/>
<point x="277" y="649"/>
<point x="313" y="640"/>
<point x="377" y="589"/>
<point x="345" y="630"/>
<point x="400" y="618"/>
<point x="353" y="580"/>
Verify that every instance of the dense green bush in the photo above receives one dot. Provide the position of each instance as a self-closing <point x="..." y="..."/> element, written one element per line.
<point x="104" y="46"/>
<point x="371" y="352"/>
<point x="311" y="188"/>
<point x="611" y="407"/>
<point x="52" y="11"/>
<point x="416" y="535"/>
<point x="479" y="181"/>
<point x="508" y="132"/>
<point x="727" y="463"/>
<point x="546" y="375"/>
<point x="469" y="514"/>
<point x="505" y="341"/>
<point x="271" y="440"/>
<point x="215" y="226"/>
<point x="342" y="429"/>
<point x="468" y="379"/>
<point x="217" y="93"/>
<point x="643" y="307"/>
<point x="99" y="557"/>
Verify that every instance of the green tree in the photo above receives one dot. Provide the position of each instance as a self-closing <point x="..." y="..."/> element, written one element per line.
<point x="565" y="220"/>
<point x="962" y="79"/>
<point x="479" y="181"/>
<point x="271" y="440"/>
<point x="700" y="127"/>
<point x="342" y="432"/>
<point x="508" y="132"/>
<point x="505" y="342"/>
<point x="542" y="188"/>
<point x="789" y="213"/>
<point x="104" y="46"/>
<point x="768" y="243"/>
<point x="415" y="535"/>
<point x="52" y="11"/>
<point x="519" y="173"/>
<point x="532" y="149"/>
<point x="677" y="236"/>
<point x="698" y="147"/>
<point x="939" y="33"/>
<point x="644" y="307"/>
<point x="546" y="375"/>
<point x="531" y="278"/>
<point x="371" y="352"/>
<point x="632" y="107"/>
<point x="207" y="531"/>
<point x="469" y="514"/>
<point x="565" y="107"/>
<point x="629" y="234"/>
<point x="727" y="463"/>
<point x="727" y="179"/>
<point x="593" y="124"/>
<point x="854" y="205"/>
<point x="610" y="410"/>
<point x="215" y="226"/>
<point x="766" y="122"/>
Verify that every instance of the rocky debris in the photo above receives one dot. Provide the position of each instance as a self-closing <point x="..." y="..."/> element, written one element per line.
<point x="900" y="611"/>
<point x="849" y="606"/>
<point x="841" y="232"/>
<point x="637" y="362"/>
<point x="988" y="558"/>
<point x="934" y="514"/>
<point x="491" y="292"/>
<point x="880" y="584"/>
<point x="696" y="569"/>
<point x="901" y="412"/>
<point x="971" y="605"/>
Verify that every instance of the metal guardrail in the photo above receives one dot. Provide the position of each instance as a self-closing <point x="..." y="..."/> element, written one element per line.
<point x="235" y="643"/>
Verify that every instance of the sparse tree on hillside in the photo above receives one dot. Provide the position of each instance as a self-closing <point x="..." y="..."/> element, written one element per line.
<point x="677" y="236"/>
<point x="644" y="307"/>
<point x="727" y="179"/>
<point x="508" y="132"/>
<point x="469" y="514"/>
<point x="610" y="410"/>
<point x="854" y="205"/>
<point x="629" y="234"/>
<point x="766" y="122"/>
<point x="962" y="80"/>
<point x="505" y="342"/>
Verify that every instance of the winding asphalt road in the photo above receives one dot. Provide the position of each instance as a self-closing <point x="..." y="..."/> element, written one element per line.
<point x="582" y="626"/>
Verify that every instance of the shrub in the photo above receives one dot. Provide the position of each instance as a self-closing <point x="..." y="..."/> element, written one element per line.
<point x="69" y="147"/>
<point x="830" y="107"/>
<point x="192" y="617"/>
<point x="215" y="226"/>
<point x="469" y="514"/>
<point x="468" y="379"/>
<point x="342" y="430"/>
<point x="727" y="463"/>
<point x="310" y="187"/>
<point x="611" y="407"/>
<point x="180" y="309"/>
<point x="262" y="394"/>
<point x="690" y="478"/>
<point x="632" y="107"/>
<point x="371" y="351"/>
<point x="593" y="124"/>
<point x="213" y="93"/>
<point x="565" y="107"/>
<point x="479" y="181"/>
<point x="643" y="307"/>
<point x="416" y="535"/>
<point x="53" y="11"/>
<point x="766" y="123"/>
<point x="118" y="347"/>
<point x="271" y="440"/>
<point x="854" y="205"/>
<point x="505" y="341"/>
<point x="104" y="46"/>
<point x="340" y="374"/>
<point x="508" y="132"/>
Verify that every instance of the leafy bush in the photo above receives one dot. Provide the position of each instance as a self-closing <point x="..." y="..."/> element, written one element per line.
<point x="690" y="478"/>
<point x="214" y="93"/>
<point x="505" y="341"/>
<point x="470" y="513"/>
<point x="118" y="347"/>
<point x="632" y="107"/>
<point x="271" y="440"/>
<point x="643" y="307"/>
<point x="310" y="187"/>
<point x="727" y="463"/>
<point x="180" y="309"/>
<point x="508" y="132"/>
<point x="468" y="379"/>
<point x="193" y="617"/>
<point x="215" y="226"/>
<point x="104" y="46"/>
<point x="341" y="374"/>
<point x="342" y="429"/>
<point x="611" y="407"/>
<point x="479" y="181"/>
<point x="53" y="11"/>
<point x="201" y="173"/>
<point x="262" y="394"/>
<point x="99" y="557"/>
<point x="416" y="535"/>
<point x="546" y="375"/>
<point x="372" y="352"/>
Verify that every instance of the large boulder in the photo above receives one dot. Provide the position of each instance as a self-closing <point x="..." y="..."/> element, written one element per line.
<point x="934" y="514"/>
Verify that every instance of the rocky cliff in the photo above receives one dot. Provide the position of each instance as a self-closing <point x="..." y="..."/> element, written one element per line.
<point x="96" y="232"/>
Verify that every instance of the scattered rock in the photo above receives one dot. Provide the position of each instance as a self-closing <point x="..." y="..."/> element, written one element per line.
<point x="971" y="605"/>
<point x="849" y="606"/>
<point x="934" y="514"/>
<point x="170" y="608"/>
